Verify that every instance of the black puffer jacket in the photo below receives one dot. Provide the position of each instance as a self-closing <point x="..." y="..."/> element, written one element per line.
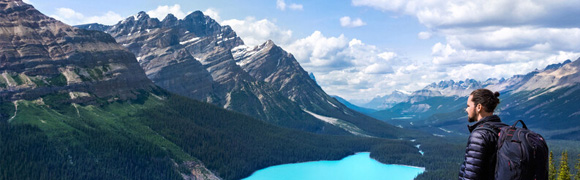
<point x="480" y="153"/>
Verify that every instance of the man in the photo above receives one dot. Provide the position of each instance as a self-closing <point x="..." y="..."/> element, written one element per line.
<point x="480" y="153"/>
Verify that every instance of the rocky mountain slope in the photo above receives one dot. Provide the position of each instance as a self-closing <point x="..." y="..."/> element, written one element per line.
<point x="40" y="55"/>
<point x="49" y="68"/>
<point x="198" y="58"/>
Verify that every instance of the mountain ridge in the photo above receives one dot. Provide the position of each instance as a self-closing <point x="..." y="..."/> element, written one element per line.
<point x="542" y="98"/>
<point x="265" y="81"/>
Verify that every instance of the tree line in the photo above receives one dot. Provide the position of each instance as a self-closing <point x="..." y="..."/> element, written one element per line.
<point x="562" y="171"/>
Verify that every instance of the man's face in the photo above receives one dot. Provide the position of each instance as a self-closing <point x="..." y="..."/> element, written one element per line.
<point x="471" y="112"/>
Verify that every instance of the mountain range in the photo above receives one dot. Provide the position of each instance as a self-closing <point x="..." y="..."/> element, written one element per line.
<point x="151" y="99"/>
<point x="76" y="104"/>
<point x="198" y="58"/>
<point x="544" y="99"/>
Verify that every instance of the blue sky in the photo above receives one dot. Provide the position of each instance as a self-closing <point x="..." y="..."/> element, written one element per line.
<point x="359" y="49"/>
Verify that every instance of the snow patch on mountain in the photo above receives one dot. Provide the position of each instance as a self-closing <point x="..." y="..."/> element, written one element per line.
<point x="353" y="129"/>
<point x="447" y="131"/>
<point x="189" y="41"/>
<point x="241" y="54"/>
<point x="331" y="120"/>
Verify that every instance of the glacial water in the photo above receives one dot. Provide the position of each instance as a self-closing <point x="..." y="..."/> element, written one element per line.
<point x="358" y="166"/>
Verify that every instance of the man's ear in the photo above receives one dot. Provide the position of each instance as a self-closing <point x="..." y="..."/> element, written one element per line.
<point x="478" y="107"/>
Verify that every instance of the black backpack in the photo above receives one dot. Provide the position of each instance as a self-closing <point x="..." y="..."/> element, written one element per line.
<point x="521" y="153"/>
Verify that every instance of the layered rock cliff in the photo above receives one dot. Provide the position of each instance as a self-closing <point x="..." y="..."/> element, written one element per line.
<point x="40" y="55"/>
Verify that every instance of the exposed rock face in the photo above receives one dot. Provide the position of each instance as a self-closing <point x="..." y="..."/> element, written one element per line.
<point x="166" y="49"/>
<point x="198" y="58"/>
<point x="273" y="65"/>
<point x="40" y="55"/>
<point x="553" y="76"/>
<point x="192" y="57"/>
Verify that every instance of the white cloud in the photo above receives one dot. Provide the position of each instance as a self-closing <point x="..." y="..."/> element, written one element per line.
<point x="72" y="17"/>
<point x="281" y="5"/>
<point x="346" y="67"/>
<point x="214" y="14"/>
<point x="296" y="6"/>
<point x="522" y="38"/>
<point x="387" y="55"/>
<point x="424" y="35"/>
<point x="108" y="18"/>
<point x="385" y="5"/>
<point x="353" y="84"/>
<point x="492" y="31"/>
<point x="457" y="13"/>
<point x="377" y="68"/>
<point x="162" y="11"/>
<point x="482" y="71"/>
<point x="489" y="38"/>
<point x="27" y="1"/>
<point x="68" y="13"/>
<point x="449" y="55"/>
<point x="504" y="45"/>
<point x="254" y="32"/>
<point x="348" y="22"/>
<point x="319" y="52"/>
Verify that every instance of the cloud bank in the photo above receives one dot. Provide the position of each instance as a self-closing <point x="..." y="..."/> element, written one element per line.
<point x="72" y="17"/>
<point x="491" y="38"/>
<point x="161" y="11"/>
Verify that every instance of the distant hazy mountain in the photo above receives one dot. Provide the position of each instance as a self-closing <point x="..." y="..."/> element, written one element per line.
<point x="384" y="102"/>
<point x="198" y="58"/>
<point x="354" y="107"/>
<point x="544" y="99"/>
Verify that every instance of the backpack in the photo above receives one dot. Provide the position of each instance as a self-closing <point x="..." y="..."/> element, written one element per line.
<point x="521" y="153"/>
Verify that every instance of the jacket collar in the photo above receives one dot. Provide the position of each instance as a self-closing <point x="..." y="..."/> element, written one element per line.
<point x="492" y="118"/>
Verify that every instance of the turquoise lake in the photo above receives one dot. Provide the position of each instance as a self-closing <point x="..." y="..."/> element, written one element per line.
<point x="358" y="166"/>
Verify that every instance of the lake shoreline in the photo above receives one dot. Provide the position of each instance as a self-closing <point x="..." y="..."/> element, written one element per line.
<point x="422" y="168"/>
<point x="356" y="165"/>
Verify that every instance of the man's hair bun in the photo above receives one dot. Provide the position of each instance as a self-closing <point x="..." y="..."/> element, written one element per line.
<point x="486" y="98"/>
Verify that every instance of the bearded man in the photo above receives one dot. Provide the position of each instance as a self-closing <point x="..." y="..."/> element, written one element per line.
<point x="480" y="153"/>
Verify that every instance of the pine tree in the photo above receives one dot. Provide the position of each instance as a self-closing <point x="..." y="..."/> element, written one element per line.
<point x="564" y="169"/>
<point x="577" y="176"/>
<point x="552" y="169"/>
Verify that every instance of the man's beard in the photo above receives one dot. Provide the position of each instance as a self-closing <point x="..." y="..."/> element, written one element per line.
<point x="472" y="119"/>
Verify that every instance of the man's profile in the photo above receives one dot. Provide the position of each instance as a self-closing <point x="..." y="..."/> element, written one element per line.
<point x="480" y="153"/>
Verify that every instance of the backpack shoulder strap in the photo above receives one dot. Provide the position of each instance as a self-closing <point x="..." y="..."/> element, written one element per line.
<point x="490" y="127"/>
<point x="523" y="124"/>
